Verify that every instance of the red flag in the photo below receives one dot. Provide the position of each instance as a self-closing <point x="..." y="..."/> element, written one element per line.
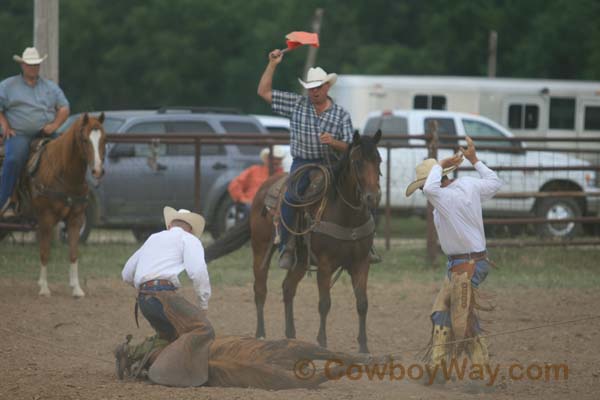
<point x="297" y="39"/>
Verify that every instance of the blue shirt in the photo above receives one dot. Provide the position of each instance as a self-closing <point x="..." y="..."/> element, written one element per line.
<point x="306" y="126"/>
<point x="28" y="108"/>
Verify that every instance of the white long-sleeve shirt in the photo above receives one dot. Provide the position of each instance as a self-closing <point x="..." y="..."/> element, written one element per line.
<point x="164" y="255"/>
<point x="457" y="208"/>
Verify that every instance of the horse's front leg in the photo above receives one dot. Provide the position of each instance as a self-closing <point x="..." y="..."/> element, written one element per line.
<point x="360" y="274"/>
<point x="290" y="284"/>
<point x="74" y="223"/>
<point x="46" y="222"/>
<point x="262" y="260"/>
<point x="324" y="282"/>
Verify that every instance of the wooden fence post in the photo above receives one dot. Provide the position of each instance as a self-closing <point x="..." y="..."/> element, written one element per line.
<point x="432" y="147"/>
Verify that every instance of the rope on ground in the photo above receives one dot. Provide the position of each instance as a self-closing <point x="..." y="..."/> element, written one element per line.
<point x="53" y="345"/>
<point x="502" y="333"/>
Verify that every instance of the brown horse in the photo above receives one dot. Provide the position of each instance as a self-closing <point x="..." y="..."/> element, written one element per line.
<point x="345" y="243"/>
<point x="59" y="190"/>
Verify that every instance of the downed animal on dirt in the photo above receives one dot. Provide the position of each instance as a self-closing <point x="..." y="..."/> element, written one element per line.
<point x="237" y="361"/>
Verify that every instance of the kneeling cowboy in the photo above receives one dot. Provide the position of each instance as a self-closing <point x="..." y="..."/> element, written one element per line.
<point x="154" y="270"/>
<point x="459" y="224"/>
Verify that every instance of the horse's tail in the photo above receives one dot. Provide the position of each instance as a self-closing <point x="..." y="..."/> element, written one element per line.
<point x="230" y="241"/>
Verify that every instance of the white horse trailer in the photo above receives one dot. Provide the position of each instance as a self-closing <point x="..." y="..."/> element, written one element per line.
<point x="527" y="107"/>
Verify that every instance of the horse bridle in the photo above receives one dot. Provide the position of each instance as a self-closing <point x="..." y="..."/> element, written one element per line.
<point x="359" y="190"/>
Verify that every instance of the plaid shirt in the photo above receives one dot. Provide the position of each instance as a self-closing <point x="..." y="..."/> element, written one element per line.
<point x="306" y="126"/>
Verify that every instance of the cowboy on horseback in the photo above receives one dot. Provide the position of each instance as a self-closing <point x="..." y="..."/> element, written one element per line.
<point x="317" y="126"/>
<point x="30" y="107"/>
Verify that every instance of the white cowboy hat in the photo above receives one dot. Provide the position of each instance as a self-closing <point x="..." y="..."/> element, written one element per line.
<point x="317" y="77"/>
<point x="30" y="57"/>
<point x="196" y="221"/>
<point x="278" y="152"/>
<point x="423" y="170"/>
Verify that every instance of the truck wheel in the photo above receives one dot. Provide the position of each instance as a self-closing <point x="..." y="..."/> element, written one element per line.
<point x="86" y="228"/>
<point x="558" y="208"/>
<point x="226" y="217"/>
<point x="142" y="234"/>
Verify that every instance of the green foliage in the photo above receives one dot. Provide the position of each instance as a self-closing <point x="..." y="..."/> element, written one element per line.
<point x="137" y="54"/>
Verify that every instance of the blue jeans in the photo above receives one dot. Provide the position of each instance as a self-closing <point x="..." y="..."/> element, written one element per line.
<point x="482" y="268"/>
<point x="16" y="151"/>
<point x="288" y="212"/>
<point x="153" y="310"/>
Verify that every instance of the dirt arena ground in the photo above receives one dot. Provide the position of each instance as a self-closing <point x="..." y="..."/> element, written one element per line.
<point x="60" y="348"/>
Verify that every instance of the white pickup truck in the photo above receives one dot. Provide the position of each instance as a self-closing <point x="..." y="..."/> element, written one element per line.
<point x="404" y="160"/>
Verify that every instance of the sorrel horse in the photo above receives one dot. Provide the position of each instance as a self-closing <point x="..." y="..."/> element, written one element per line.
<point x="346" y="244"/>
<point x="59" y="190"/>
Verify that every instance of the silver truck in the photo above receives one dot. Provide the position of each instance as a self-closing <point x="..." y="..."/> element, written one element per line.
<point x="404" y="160"/>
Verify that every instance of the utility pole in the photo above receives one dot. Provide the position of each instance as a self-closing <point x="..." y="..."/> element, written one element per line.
<point x="311" y="57"/>
<point x="45" y="35"/>
<point x="492" y="54"/>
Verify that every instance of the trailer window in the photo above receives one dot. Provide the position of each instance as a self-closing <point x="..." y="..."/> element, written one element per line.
<point x="480" y="129"/>
<point x="592" y="118"/>
<point x="429" y="102"/>
<point x="523" y="116"/>
<point x="562" y="113"/>
<point x="389" y="125"/>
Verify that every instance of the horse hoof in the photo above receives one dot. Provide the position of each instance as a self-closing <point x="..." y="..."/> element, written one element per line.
<point x="78" y="293"/>
<point x="260" y="338"/>
<point x="44" y="292"/>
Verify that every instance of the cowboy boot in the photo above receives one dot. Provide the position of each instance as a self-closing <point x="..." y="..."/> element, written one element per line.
<point x="287" y="259"/>
<point x="374" y="257"/>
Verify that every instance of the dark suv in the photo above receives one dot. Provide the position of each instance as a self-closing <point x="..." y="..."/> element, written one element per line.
<point x="142" y="178"/>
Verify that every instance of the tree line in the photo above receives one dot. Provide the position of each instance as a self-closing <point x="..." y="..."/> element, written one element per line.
<point x="151" y="53"/>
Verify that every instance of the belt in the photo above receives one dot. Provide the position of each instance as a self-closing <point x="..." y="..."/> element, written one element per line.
<point x="149" y="285"/>
<point x="468" y="256"/>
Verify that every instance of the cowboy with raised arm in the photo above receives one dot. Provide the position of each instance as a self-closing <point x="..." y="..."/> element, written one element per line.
<point x="317" y="126"/>
<point x="30" y="107"/>
<point x="153" y="270"/>
<point x="458" y="221"/>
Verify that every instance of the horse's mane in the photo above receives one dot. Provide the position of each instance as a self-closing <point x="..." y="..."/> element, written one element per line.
<point x="60" y="151"/>
<point x="369" y="150"/>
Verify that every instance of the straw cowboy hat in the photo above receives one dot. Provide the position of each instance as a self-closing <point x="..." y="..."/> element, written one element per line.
<point x="278" y="152"/>
<point x="30" y="57"/>
<point x="317" y="77"/>
<point x="423" y="170"/>
<point x="196" y="221"/>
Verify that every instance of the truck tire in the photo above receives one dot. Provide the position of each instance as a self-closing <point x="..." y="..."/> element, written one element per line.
<point x="559" y="208"/>
<point x="142" y="234"/>
<point x="226" y="217"/>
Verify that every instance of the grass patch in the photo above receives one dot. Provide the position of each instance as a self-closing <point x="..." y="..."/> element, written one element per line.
<point x="525" y="267"/>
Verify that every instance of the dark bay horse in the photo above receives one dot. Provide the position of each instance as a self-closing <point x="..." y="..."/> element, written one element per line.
<point x="59" y="190"/>
<point x="354" y="190"/>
